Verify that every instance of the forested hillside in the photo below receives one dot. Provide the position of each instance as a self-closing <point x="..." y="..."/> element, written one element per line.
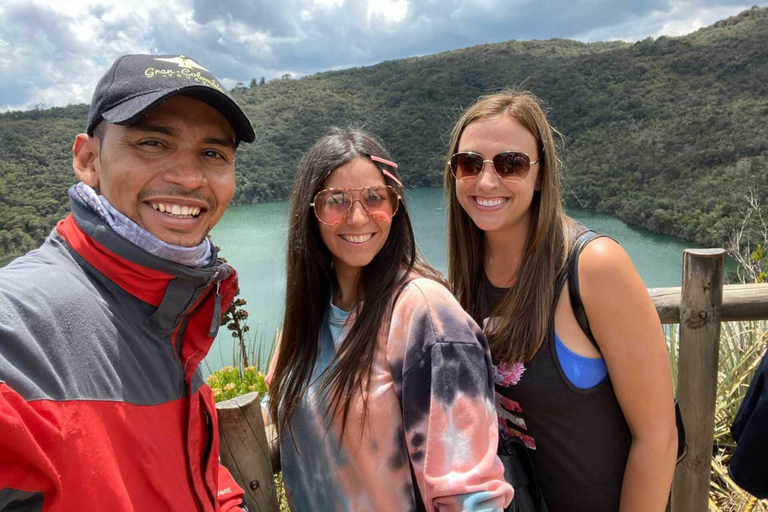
<point x="667" y="134"/>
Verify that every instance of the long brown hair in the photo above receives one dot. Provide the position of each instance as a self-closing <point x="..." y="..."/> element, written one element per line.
<point x="524" y="313"/>
<point x="310" y="280"/>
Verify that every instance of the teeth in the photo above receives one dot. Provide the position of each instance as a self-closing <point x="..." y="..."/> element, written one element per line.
<point x="176" y="210"/>
<point x="357" y="239"/>
<point x="490" y="202"/>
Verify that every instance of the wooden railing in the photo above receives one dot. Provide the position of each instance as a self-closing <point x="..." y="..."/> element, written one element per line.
<point x="249" y="451"/>
<point x="699" y="307"/>
<point x="252" y="454"/>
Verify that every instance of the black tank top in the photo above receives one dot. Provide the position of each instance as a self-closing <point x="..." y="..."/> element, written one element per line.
<point x="578" y="438"/>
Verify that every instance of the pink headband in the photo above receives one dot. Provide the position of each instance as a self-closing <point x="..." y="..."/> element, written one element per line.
<point x="384" y="171"/>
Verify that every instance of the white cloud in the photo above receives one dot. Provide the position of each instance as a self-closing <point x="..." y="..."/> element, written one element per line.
<point x="53" y="52"/>
<point x="682" y="17"/>
<point x="390" y="10"/>
<point x="683" y="23"/>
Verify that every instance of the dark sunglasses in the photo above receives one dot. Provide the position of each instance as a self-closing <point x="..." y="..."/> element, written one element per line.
<point x="509" y="165"/>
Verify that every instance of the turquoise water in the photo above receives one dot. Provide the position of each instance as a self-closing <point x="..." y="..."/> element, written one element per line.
<point x="253" y="239"/>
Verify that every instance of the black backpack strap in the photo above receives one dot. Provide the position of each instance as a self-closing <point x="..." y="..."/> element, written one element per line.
<point x="581" y="317"/>
<point x="573" y="283"/>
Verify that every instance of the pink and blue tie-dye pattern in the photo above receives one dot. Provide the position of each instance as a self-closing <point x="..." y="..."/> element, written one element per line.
<point x="431" y="400"/>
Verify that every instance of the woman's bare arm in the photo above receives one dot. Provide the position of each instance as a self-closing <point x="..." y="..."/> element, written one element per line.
<point x="627" y="328"/>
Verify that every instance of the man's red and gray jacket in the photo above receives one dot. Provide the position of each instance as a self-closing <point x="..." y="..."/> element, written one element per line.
<point x="103" y="406"/>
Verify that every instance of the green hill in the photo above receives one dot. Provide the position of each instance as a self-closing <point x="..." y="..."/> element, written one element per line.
<point x="667" y="134"/>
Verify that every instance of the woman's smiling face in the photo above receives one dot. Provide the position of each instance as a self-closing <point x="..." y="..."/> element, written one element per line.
<point x="495" y="204"/>
<point x="359" y="237"/>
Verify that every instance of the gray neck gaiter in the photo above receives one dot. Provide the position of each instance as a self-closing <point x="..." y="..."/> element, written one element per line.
<point x="194" y="257"/>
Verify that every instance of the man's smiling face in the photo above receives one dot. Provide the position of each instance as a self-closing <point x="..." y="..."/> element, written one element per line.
<point x="172" y="172"/>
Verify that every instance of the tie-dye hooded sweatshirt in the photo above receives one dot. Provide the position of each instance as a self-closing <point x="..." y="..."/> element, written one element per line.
<point x="430" y="400"/>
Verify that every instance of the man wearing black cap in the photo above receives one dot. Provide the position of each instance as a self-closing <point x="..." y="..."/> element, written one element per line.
<point x="103" y="328"/>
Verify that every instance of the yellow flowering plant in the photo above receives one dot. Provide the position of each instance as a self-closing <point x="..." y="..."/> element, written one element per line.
<point x="229" y="382"/>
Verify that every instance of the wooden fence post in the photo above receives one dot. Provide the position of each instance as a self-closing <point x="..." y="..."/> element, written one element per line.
<point x="700" y="313"/>
<point x="245" y="451"/>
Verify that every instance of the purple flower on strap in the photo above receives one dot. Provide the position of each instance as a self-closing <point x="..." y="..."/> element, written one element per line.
<point x="508" y="375"/>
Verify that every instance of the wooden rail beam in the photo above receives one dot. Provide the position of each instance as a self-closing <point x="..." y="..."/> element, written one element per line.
<point x="700" y="315"/>
<point x="274" y="447"/>
<point x="741" y="302"/>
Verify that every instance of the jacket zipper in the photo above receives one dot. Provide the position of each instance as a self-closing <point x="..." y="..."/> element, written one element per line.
<point x="174" y="338"/>
<point x="216" y="312"/>
<point x="216" y="320"/>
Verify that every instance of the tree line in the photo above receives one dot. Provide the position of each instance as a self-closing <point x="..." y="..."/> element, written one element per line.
<point x="667" y="134"/>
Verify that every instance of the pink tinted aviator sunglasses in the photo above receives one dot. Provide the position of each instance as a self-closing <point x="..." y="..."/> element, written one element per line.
<point x="332" y="205"/>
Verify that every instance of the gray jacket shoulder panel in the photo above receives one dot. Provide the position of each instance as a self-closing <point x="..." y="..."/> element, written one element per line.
<point x="62" y="339"/>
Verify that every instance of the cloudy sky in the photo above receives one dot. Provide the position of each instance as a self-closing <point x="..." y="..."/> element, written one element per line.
<point x="53" y="52"/>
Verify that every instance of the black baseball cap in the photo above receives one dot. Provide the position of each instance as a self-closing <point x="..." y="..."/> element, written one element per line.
<point x="136" y="84"/>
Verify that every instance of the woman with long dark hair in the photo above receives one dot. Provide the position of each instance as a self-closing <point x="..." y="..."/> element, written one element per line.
<point x="596" y="415"/>
<point x="381" y="385"/>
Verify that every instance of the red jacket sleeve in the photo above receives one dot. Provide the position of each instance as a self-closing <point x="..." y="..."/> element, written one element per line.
<point x="231" y="496"/>
<point x="30" y="463"/>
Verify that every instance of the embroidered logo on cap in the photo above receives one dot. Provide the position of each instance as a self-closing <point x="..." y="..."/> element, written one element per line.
<point x="188" y="67"/>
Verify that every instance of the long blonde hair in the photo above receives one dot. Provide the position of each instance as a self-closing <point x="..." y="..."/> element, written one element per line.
<point x="524" y="314"/>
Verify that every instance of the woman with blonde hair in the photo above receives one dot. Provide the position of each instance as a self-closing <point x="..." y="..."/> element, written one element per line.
<point x="582" y="375"/>
<point x="382" y="385"/>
